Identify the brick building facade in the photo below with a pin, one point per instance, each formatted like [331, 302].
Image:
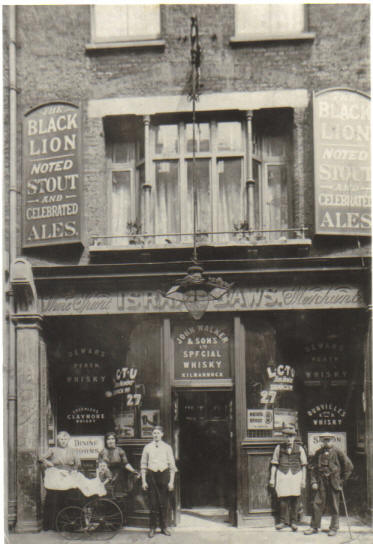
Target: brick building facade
[300, 302]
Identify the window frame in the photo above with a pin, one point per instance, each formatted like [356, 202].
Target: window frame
[269, 35]
[124, 41]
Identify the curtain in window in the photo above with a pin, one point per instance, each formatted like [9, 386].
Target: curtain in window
[202, 184]
[277, 202]
[229, 210]
[121, 206]
[167, 202]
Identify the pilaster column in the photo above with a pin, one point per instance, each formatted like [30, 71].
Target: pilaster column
[250, 182]
[147, 184]
[299, 119]
[368, 397]
[29, 415]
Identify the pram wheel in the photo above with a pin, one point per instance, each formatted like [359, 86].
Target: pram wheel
[103, 518]
[70, 523]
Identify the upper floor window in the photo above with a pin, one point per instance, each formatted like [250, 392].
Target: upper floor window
[118, 23]
[266, 21]
[160, 203]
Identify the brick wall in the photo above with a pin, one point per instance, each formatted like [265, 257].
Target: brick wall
[52, 64]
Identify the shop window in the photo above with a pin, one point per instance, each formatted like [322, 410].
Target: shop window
[266, 20]
[105, 375]
[219, 174]
[119, 23]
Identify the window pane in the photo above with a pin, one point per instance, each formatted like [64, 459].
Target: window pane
[229, 136]
[166, 139]
[122, 152]
[121, 206]
[269, 18]
[202, 135]
[277, 201]
[229, 171]
[202, 181]
[122, 21]
[143, 20]
[167, 198]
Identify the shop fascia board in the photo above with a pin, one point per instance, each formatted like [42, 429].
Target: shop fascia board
[60, 273]
[152, 105]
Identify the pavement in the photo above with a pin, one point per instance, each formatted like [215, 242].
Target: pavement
[192, 530]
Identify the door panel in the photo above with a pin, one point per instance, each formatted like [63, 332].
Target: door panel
[205, 449]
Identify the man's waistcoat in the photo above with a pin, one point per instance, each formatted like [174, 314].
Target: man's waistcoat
[289, 461]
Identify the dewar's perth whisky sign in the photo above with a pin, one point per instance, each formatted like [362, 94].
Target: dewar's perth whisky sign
[51, 175]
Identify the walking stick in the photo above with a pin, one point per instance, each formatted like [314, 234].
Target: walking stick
[348, 519]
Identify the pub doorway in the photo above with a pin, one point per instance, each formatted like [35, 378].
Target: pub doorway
[206, 460]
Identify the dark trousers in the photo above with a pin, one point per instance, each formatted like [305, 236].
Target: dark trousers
[289, 509]
[54, 502]
[158, 497]
[325, 495]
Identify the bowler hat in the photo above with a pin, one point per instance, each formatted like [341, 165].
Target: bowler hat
[289, 429]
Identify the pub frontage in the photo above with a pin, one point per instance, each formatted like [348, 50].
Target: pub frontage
[118, 356]
[158, 151]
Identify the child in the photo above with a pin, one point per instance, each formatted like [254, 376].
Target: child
[103, 477]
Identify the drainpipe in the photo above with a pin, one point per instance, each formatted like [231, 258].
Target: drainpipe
[11, 363]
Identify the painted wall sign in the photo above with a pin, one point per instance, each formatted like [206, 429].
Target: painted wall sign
[87, 447]
[51, 176]
[80, 377]
[326, 413]
[342, 162]
[240, 299]
[314, 443]
[201, 351]
[259, 419]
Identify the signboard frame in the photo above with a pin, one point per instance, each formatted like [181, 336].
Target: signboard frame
[56, 165]
[343, 160]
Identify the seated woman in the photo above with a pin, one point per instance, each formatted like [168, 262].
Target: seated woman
[117, 461]
[60, 462]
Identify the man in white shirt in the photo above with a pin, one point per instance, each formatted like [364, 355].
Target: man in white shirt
[158, 474]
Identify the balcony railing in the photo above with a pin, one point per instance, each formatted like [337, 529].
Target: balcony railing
[185, 239]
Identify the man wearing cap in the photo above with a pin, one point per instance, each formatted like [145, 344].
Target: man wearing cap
[330, 468]
[158, 473]
[288, 477]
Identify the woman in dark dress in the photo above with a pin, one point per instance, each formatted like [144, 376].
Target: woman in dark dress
[117, 461]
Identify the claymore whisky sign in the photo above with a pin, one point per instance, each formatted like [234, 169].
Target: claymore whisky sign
[342, 162]
[51, 175]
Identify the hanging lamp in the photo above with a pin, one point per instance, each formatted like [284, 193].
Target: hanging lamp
[196, 290]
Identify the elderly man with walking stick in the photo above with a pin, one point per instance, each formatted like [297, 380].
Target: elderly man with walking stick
[329, 468]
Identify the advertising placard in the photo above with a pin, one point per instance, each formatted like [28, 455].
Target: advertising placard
[338, 440]
[259, 419]
[202, 352]
[87, 447]
[51, 188]
[284, 417]
[342, 162]
[149, 419]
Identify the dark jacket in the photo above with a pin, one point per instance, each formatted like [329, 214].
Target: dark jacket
[335, 465]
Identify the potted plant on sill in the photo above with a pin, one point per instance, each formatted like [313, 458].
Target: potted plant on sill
[134, 230]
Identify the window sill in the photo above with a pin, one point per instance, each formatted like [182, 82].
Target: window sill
[128, 44]
[239, 39]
